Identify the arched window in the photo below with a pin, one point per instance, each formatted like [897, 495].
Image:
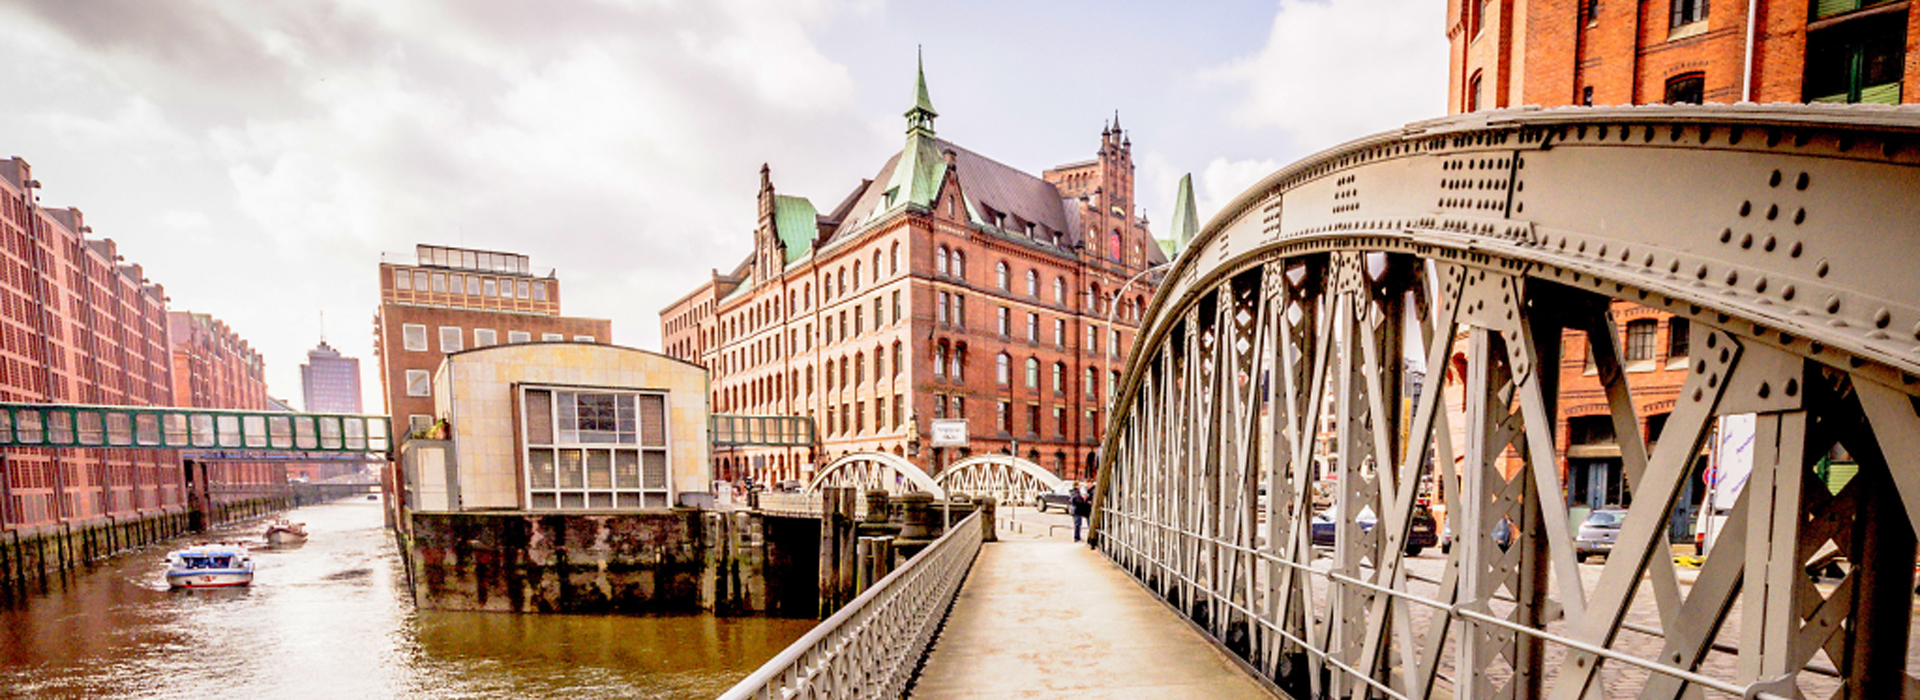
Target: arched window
[1059, 377]
[1033, 373]
[1002, 368]
[898, 364]
[1474, 98]
[1687, 88]
[940, 260]
[1033, 283]
[876, 267]
[1000, 275]
[959, 363]
[893, 263]
[879, 362]
[859, 368]
[856, 275]
[840, 287]
[959, 264]
[1059, 290]
[940, 359]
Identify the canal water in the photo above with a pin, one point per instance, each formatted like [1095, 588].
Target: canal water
[331, 619]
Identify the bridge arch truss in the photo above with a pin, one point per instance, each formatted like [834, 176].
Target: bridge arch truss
[1007, 478]
[875, 470]
[1493, 250]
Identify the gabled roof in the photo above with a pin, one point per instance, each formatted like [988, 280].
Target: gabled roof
[794, 221]
[988, 184]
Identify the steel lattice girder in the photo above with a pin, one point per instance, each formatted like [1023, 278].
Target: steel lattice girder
[139, 428]
[1777, 230]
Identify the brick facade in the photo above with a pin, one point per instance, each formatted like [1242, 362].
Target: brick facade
[78, 324]
[861, 317]
[1556, 53]
[469, 294]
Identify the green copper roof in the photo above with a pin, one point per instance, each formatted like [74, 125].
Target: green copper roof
[916, 179]
[1186, 222]
[794, 222]
[921, 114]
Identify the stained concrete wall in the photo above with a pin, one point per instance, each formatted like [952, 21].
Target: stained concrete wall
[652, 562]
[30, 555]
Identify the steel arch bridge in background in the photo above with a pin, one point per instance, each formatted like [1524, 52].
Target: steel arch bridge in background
[1787, 235]
[875, 470]
[1007, 478]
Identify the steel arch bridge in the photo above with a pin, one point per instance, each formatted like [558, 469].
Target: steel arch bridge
[875, 470]
[1484, 245]
[1007, 478]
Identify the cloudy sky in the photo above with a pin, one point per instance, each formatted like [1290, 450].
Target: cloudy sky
[259, 159]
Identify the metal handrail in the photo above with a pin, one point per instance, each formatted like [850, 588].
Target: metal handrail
[869, 649]
[1760, 690]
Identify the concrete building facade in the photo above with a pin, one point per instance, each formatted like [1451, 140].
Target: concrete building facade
[947, 286]
[453, 299]
[1508, 53]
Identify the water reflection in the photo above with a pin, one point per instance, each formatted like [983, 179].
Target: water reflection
[330, 619]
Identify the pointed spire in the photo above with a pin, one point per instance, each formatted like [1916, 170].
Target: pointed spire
[1186, 220]
[921, 115]
[1116, 120]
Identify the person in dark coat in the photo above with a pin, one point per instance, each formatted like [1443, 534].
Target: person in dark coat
[1082, 507]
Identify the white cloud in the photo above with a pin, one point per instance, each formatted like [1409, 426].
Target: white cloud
[1225, 179]
[1337, 70]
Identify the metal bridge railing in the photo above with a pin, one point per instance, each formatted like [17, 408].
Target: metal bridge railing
[801, 505]
[870, 647]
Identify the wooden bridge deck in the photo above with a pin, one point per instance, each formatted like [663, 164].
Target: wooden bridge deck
[1038, 619]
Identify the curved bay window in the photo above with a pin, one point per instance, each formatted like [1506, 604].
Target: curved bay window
[594, 449]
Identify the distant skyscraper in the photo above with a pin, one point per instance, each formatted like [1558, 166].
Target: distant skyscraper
[330, 382]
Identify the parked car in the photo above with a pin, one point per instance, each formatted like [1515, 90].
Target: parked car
[1502, 536]
[1597, 532]
[1419, 538]
[1060, 497]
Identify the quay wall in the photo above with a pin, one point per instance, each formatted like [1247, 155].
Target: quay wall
[632, 562]
[30, 555]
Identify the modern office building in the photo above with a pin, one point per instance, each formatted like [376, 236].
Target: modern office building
[330, 381]
[453, 299]
[947, 286]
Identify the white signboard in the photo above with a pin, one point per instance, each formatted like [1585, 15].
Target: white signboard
[950, 432]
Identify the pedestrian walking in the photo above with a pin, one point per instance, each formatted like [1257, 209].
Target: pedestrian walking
[1082, 506]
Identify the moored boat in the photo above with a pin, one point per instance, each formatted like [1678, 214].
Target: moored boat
[209, 566]
[281, 532]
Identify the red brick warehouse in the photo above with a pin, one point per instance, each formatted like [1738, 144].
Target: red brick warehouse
[948, 286]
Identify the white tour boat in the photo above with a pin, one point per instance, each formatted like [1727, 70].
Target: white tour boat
[209, 566]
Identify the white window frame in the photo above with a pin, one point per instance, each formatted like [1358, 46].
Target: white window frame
[519, 337]
[549, 337]
[421, 379]
[458, 338]
[484, 337]
[408, 337]
[660, 496]
[583, 339]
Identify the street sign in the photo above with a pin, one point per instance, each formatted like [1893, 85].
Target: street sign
[950, 432]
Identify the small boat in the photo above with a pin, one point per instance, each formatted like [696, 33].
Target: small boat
[281, 532]
[209, 566]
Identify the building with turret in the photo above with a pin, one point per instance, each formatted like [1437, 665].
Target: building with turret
[949, 285]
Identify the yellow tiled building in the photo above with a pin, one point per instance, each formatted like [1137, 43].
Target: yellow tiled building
[563, 426]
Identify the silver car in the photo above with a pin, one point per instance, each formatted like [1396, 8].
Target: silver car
[1598, 532]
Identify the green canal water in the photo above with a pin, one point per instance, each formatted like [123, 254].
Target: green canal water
[331, 619]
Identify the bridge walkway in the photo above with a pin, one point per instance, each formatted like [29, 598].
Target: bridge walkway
[1054, 619]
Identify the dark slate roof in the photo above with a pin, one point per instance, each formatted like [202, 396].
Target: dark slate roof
[989, 186]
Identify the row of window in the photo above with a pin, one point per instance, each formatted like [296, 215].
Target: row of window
[452, 338]
[1003, 373]
[471, 285]
[848, 324]
[850, 418]
[845, 372]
